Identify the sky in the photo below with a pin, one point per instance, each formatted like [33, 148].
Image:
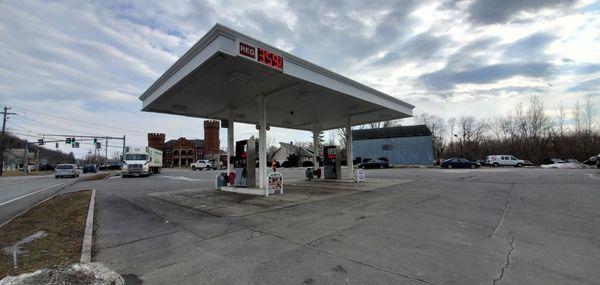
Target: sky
[80, 66]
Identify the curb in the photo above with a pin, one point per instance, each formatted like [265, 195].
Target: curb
[86, 248]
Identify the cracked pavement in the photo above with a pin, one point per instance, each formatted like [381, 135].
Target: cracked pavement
[482, 226]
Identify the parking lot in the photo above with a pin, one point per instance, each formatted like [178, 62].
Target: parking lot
[433, 226]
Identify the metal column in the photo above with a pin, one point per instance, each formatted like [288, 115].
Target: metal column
[349, 155]
[316, 148]
[262, 141]
[230, 151]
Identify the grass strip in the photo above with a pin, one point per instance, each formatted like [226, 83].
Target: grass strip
[62, 218]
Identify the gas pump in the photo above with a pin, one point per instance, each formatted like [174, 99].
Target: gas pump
[245, 163]
[332, 164]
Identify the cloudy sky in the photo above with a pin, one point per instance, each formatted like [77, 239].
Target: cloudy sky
[80, 66]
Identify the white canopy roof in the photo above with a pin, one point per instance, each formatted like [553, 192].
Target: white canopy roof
[226, 70]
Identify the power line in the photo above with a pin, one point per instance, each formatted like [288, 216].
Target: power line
[87, 124]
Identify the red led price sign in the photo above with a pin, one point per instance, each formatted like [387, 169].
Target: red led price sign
[270, 59]
[261, 55]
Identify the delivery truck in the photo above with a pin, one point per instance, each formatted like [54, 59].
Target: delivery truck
[141, 161]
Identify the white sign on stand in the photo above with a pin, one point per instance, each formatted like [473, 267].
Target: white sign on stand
[361, 175]
[275, 182]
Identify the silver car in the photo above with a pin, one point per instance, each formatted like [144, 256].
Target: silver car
[66, 170]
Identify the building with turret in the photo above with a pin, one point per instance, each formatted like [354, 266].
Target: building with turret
[182, 152]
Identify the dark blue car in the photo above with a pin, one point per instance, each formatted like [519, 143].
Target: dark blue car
[459, 163]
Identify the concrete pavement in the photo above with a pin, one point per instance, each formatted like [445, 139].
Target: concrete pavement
[495, 225]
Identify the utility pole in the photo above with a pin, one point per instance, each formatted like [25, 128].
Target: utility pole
[106, 149]
[123, 154]
[26, 158]
[3, 139]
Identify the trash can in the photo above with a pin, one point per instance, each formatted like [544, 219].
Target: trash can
[222, 180]
[309, 174]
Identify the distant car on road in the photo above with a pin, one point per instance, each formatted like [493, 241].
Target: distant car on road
[374, 163]
[66, 170]
[503, 160]
[459, 163]
[90, 168]
[203, 164]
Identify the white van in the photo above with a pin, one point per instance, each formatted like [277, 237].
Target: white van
[503, 160]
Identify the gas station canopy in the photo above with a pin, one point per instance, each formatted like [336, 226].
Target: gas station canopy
[221, 76]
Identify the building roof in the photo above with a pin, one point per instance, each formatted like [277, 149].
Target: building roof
[391, 132]
[297, 149]
[300, 95]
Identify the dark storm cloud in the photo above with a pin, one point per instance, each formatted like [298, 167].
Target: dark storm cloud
[342, 29]
[495, 12]
[418, 47]
[447, 79]
[529, 48]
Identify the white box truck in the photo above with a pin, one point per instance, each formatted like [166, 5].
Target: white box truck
[141, 161]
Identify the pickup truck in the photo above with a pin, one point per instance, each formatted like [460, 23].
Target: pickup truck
[203, 164]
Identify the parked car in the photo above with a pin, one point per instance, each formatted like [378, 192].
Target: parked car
[66, 170]
[504, 160]
[374, 163]
[547, 161]
[203, 164]
[90, 168]
[459, 163]
[592, 160]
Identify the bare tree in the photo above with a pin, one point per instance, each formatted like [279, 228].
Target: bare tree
[576, 117]
[562, 117]
[588, 114]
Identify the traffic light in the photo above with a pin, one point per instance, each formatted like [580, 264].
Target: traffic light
[67, 140]
[76, 145]
[98, 145]
[56, 145]
[95, 140]
[40, 141]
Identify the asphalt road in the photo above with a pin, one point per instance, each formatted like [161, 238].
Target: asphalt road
[483, 226]
[494, 225]
[21, 192]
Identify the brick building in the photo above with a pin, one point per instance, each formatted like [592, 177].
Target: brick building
[182, 151]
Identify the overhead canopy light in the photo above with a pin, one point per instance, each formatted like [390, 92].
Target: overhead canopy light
[238, 78]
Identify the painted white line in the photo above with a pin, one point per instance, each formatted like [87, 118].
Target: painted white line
[86, 248]
[40, 190]
[593, 177]
[183, 178]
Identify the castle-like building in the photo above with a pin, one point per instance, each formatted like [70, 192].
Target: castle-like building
[183, 152]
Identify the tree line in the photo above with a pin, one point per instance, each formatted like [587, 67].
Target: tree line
[529, 132]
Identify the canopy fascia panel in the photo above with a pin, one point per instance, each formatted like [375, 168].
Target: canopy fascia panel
[299, 96]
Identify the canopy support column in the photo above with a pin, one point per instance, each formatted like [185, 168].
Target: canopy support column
[230, 151]
[316, 148]
[262, 141]
[349, 155]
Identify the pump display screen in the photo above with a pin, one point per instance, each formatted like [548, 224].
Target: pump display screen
[261, 55]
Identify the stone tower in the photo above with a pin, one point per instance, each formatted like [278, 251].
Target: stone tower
[211, 139]
[157, 141]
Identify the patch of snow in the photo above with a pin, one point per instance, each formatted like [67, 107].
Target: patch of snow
[16, 248]
[90, 273]
[567, 165]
